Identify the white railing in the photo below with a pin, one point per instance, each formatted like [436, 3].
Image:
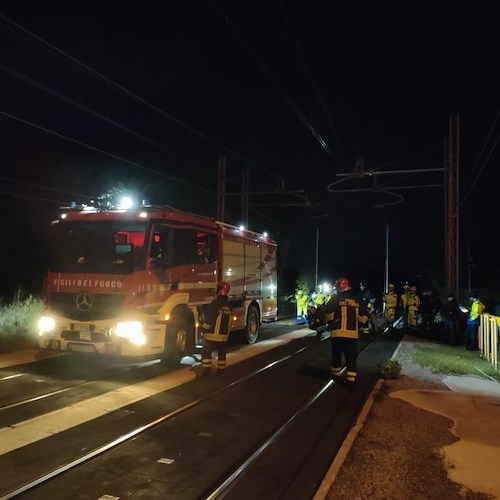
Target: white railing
[488, 338]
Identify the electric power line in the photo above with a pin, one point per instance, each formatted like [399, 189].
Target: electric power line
[268, 73]
[471, 181]
[75, 62]
[101, 151]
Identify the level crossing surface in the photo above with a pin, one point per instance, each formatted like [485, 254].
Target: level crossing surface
[273, 423]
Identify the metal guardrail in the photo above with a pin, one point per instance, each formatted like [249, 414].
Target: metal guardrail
[488, 337]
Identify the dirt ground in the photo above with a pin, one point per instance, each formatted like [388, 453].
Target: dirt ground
[396, 454]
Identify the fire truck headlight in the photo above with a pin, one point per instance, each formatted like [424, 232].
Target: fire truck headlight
[129, 329]
[139, 339]
[46, 324]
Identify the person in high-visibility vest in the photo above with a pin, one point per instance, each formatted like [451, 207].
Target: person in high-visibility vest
[216, 326]
[413, 307]
[475, 311]
[302, 300]
[390, 299]
[318, 296]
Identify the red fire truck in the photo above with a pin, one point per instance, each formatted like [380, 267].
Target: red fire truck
[132, 283]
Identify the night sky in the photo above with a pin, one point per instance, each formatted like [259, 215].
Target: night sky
[147, 96]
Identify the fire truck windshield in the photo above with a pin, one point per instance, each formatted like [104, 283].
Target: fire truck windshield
[108, 247]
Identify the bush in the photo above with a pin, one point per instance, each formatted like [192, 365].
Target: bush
[391, 370]
[18, 321]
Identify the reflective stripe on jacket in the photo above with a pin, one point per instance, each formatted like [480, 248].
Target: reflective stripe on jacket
[217, 324]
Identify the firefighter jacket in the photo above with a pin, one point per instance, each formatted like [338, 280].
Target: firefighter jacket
[403, 300]
[342, 315]
[390, 299]
[217, 320]
[413, 303]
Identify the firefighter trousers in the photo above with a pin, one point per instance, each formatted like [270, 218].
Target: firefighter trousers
[347, 347]
[206, 354]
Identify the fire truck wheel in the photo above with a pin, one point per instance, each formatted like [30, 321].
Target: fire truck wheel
[252, 327]
[179, 341]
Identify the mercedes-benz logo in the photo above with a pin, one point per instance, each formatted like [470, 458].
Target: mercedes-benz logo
[84, 301]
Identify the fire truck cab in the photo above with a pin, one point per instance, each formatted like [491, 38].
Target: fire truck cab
[132, 283]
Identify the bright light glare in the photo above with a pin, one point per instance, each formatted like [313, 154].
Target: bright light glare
[242, 228]
[138, 339]
[327, 287]
[265, 234]
[129, 329]
[143, 215]
[46, 324]
[126, 202]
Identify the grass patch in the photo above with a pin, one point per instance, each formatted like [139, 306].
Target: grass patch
[453, 360]
[18, 321]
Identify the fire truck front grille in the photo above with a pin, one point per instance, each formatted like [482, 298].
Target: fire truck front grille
[96, 306]
[75, 335]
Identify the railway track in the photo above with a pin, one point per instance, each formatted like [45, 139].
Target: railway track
[280, 402]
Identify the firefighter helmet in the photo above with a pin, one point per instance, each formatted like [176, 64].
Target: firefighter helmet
[413, 289]
[406, 286]
[342, 284]
[223, 288]
[391, 286]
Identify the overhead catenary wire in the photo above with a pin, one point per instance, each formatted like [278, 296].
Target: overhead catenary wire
[119, 158]
[26, 34]
[98, 115]
[304, 65]
[329, 72]
[111, 83]
[473, 176]
[236, 32]
[101, 151]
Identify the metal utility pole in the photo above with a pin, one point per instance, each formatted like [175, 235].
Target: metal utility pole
[317, 258]
[470, 265]
[386, 271]
[245, 188]
[451, 206]
[221, 188]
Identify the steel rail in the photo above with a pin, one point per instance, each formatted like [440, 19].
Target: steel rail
[139, 430]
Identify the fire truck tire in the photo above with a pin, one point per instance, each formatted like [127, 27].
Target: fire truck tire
[252, 327]
[179, 341]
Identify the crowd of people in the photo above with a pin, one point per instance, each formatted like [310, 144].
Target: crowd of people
[420, 314]
[348, 315]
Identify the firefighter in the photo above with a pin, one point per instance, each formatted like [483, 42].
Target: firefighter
[316, 319]
[216, 325]
[403, 303]
[413, 307]
[302, 300]
[366, 300]
[390, 299]
[342, 315]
